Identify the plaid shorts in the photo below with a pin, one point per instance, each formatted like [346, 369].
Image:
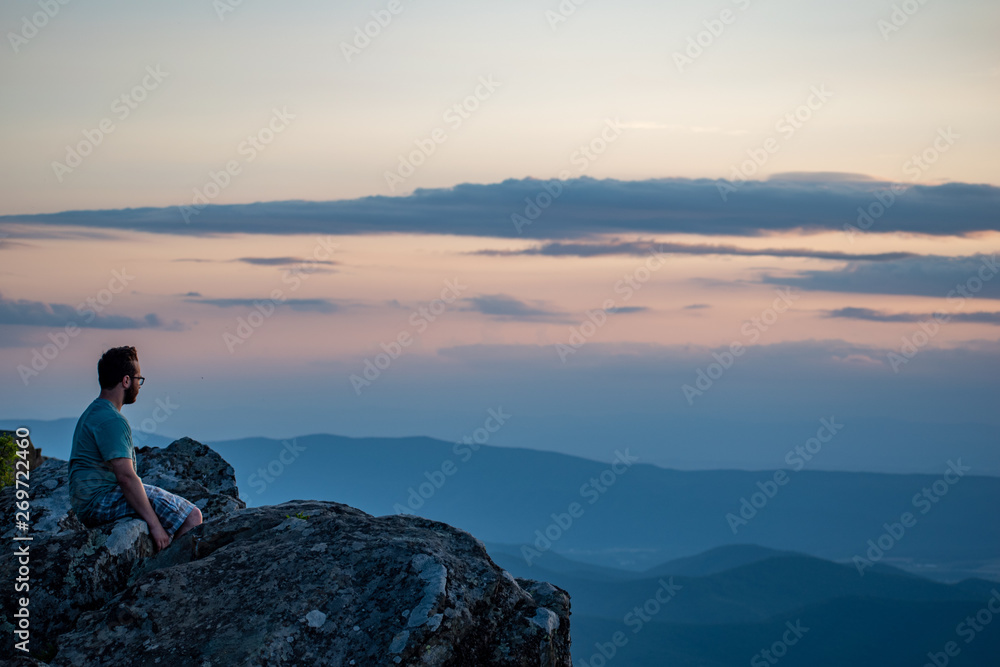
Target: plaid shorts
[169, 508]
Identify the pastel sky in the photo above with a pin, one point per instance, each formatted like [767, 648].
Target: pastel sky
[605, 219]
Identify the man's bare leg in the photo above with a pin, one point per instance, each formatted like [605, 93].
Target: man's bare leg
[193, 519]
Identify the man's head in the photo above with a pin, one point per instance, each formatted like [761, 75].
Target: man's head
[120, 366]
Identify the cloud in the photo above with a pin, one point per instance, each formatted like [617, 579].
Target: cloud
[503, 307]
[298, 266]
[5, 244]
[697, 306]
[37, 232]
[928, 275]
[641, 248]
[281, 261]
[820, 177]
[583, 208]
[881, 316]
[507, 308]
[299, 305]
[39, 314]
[795, 377]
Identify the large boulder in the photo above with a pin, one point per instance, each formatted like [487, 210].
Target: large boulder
[302, 583]
[194, 471]
[74, 569]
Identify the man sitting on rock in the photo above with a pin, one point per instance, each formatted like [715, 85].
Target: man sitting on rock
[103, 482]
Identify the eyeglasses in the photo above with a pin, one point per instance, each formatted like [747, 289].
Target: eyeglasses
[139, 378]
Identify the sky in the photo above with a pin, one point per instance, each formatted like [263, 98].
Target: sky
[694, 229]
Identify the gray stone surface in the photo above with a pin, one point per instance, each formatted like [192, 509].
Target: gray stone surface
[75, 569]
[302, 583]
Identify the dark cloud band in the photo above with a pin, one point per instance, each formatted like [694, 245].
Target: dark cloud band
[582, 208]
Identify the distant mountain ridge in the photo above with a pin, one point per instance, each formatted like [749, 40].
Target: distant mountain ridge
[748, 593]
[657, 540]
[730, 603]
[693, 443]
[649, 515]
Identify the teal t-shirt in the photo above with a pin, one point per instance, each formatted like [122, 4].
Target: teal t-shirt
[102, 433]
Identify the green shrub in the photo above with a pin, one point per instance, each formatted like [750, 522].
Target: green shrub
[8, 454]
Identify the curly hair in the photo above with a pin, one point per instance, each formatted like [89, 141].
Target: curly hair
[115, 364]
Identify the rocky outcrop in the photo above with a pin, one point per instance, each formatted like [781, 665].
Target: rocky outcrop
[75, 569]
[302, 583]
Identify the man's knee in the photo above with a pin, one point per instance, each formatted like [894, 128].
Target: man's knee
[194, 518]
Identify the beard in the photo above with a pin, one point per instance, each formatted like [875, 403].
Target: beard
[130, 394]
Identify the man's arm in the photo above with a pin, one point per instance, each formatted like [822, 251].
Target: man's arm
[135, 494]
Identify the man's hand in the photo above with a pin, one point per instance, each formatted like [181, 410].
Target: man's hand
[160, 537]
[135, 494]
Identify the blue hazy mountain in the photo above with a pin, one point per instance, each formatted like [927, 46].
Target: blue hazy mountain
[646, 515]
[619, 534]
[696, 442]
[750, 593]
[861, 632]
[726, 617]
[715, 560]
